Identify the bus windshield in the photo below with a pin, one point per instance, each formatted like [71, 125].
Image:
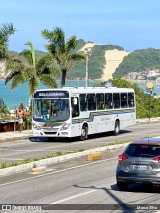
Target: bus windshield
[51, 109]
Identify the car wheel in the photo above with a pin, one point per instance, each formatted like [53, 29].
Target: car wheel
[116, 128]
[122, 186]
[84, 133]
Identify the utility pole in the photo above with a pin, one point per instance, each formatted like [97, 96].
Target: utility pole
[149, 88]
[87, 75]
[87, 54]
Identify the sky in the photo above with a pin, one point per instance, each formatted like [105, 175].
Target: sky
[131, 24]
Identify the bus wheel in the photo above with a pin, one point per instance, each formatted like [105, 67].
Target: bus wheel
[116, 128]
[84, 133]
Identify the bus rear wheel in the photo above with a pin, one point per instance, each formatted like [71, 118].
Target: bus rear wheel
[116, 128]
[84, 133]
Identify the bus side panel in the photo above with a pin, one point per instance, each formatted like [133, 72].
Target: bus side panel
[100, 123]
[76, 128]
[127, 119]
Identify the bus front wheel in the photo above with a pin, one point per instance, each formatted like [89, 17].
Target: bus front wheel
[84, 133]
[116, 128]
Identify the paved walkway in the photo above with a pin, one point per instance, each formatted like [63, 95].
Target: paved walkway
[25, 134]
[15, 135]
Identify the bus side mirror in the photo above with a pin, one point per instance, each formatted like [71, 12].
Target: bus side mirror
[75, 108]
[75, 101]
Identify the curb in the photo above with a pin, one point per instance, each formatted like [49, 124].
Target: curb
[49, 161]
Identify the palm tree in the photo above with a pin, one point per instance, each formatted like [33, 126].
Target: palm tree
[27, 68]
[62, 50]
[4, 111]
[5, 31]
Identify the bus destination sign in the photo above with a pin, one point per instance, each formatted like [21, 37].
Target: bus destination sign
[51, 94]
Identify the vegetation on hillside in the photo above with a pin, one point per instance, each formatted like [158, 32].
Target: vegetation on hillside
[95, 65]
[138, 61]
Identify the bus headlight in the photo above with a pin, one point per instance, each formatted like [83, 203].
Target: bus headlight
[36, 127]
[65, 126]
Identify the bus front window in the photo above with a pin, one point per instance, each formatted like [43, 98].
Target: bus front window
[51, 110]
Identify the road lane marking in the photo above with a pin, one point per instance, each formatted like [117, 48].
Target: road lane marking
[54, 172]
[72, 197]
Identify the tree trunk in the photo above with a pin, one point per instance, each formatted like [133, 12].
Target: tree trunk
[63, 78]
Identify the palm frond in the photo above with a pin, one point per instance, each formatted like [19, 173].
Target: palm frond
[56, 40]
[16, 81]
[47, 65]
[7, 29]
[5, 110]
[28, 73]
[78, 57]
[45, 60]
[48, 81]
[47, 35]
[32, 52]
[32, 85]
[12, 75]
[27, 55]
[71, 44]
[65, 61]
[13, 63]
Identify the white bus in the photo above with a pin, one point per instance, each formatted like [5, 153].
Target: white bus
[78, 111]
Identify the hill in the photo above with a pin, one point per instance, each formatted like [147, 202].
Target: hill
[108, 61]
[138, 61]
[97, 65]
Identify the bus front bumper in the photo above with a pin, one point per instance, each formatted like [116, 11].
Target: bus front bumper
[51, 133]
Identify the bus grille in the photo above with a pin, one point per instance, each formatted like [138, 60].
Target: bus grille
[50, 133]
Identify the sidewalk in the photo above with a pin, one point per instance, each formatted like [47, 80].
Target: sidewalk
[26, 134]
[147, 120]
[15, 135]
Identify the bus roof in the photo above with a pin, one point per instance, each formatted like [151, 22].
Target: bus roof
[74, 89]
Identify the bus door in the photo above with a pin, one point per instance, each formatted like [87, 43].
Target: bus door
[76, 126]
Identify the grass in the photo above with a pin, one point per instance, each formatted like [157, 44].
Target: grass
[30, 160]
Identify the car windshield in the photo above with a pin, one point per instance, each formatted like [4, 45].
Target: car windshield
[51, 110]
[137, 150]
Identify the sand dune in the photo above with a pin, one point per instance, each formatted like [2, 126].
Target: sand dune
[113, 59]
[87, 47]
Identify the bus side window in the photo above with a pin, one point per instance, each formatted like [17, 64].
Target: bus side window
[116, 100]
[83, 102]
[91, 101]
[108, 101]
[123, 100]
[100, 101]
[131, 99]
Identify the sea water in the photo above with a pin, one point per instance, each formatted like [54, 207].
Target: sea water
[20, 94]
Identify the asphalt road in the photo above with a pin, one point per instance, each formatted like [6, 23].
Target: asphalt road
[36, 147]
[77, 181]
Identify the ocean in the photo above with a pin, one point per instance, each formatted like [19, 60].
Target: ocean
[20, 95]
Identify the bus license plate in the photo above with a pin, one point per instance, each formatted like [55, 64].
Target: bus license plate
[139, 167]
